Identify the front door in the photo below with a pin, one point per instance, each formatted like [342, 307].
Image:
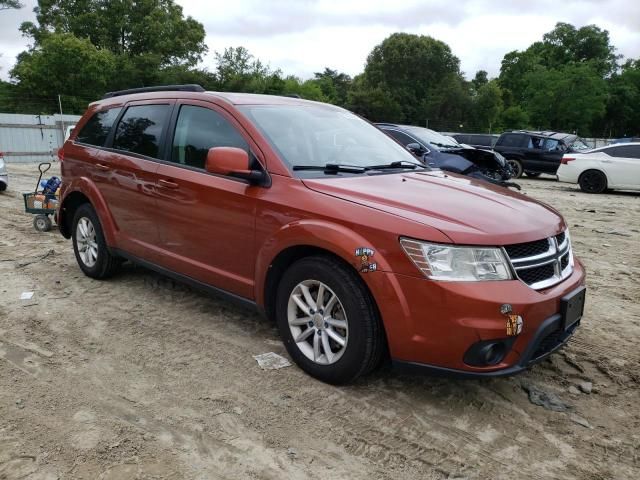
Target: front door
[206, 221]
[623, 166]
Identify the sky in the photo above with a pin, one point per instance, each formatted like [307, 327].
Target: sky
[301, 37]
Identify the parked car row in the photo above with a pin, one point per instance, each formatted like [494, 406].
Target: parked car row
[531, 153]
[445, 153]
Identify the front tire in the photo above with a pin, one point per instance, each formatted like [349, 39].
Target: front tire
[516, 167]
[328, 320]
[89, 245]
[593, 181]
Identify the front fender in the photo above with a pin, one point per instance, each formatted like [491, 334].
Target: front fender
[86, 187]
[329, 236]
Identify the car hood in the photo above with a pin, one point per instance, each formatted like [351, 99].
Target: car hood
[468, 211]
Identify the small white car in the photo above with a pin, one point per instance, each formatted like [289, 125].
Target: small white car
[4, 176]
[615, 167]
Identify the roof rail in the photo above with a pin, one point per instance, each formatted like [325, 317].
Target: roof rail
[191, 87]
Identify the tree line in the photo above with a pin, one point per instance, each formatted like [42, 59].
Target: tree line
[570, 80]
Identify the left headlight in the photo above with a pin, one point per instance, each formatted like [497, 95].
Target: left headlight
[461, 264]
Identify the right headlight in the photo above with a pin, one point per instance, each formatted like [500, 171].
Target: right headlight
[453, 263]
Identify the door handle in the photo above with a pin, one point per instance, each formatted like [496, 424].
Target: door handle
[167, 184]
[100, 166]
[606, 161]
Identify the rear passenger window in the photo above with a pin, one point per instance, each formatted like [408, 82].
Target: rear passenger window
[96, 130]
[625, 151]
[511, 140]
[198, 129]
[140, 129]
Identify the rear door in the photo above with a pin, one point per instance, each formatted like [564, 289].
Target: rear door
[533, 155]
[206, 221]
[622, 166]
[552, 152]
[129, 167]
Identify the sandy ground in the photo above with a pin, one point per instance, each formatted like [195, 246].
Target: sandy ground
[140, 377]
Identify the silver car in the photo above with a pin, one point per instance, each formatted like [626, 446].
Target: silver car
[4, 177]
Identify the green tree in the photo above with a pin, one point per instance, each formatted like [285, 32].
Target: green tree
[622, 117]
[153, 28]
[411, 78]
[481, 79]
[237, 70]
[334, 85]
[10, 4]
[570, 98]
[514, 118]
[67, 65]
[373, 103]
[487, 106]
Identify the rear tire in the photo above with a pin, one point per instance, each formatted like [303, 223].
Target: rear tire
[337, 340]
[89, 245]
[516, 167]
[593, 181]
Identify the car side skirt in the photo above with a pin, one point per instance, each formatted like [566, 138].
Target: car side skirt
[192, 282]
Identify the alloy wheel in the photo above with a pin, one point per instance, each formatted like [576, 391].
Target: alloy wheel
[87, 242]
[318, 322]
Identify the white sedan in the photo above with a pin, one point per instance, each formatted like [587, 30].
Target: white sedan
[611, 167]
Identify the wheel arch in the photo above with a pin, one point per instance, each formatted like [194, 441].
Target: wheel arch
[307, 238]
[79, 192]
[287, 257]
[68, 208]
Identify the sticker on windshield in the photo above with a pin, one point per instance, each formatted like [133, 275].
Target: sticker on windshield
[364, 254]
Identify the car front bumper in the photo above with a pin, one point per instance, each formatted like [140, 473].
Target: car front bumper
[432, 325]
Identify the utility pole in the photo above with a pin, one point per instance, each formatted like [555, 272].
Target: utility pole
[61, 119]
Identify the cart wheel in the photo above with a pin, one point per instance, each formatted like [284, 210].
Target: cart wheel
[42, 223]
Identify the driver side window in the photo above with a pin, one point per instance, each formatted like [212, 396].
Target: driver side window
[197, 130]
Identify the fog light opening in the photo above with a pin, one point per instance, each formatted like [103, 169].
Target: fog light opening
[493, 353]
[487, 353]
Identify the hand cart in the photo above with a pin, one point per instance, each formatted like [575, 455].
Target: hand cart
[40, 204]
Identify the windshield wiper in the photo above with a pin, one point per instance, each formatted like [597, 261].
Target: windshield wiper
[332, 168]
[399, 164]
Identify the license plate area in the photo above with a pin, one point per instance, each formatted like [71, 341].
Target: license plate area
[572, 307]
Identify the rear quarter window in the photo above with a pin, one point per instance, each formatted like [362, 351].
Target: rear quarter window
[97, 128]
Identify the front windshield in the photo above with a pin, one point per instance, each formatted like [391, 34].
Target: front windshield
[317, 135]
[439, 141]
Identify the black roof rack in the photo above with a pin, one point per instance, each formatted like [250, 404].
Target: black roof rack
[192, 87]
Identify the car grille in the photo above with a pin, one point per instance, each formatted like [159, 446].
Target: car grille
[529, 249]
[542, 263]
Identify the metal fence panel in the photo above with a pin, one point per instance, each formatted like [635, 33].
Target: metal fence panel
[32, 138]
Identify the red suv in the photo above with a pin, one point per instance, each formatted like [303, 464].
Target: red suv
[324, 223]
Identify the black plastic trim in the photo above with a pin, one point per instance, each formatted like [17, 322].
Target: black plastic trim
[191, 87]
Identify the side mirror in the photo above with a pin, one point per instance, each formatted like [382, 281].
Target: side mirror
[417, 149]
[232, 161]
